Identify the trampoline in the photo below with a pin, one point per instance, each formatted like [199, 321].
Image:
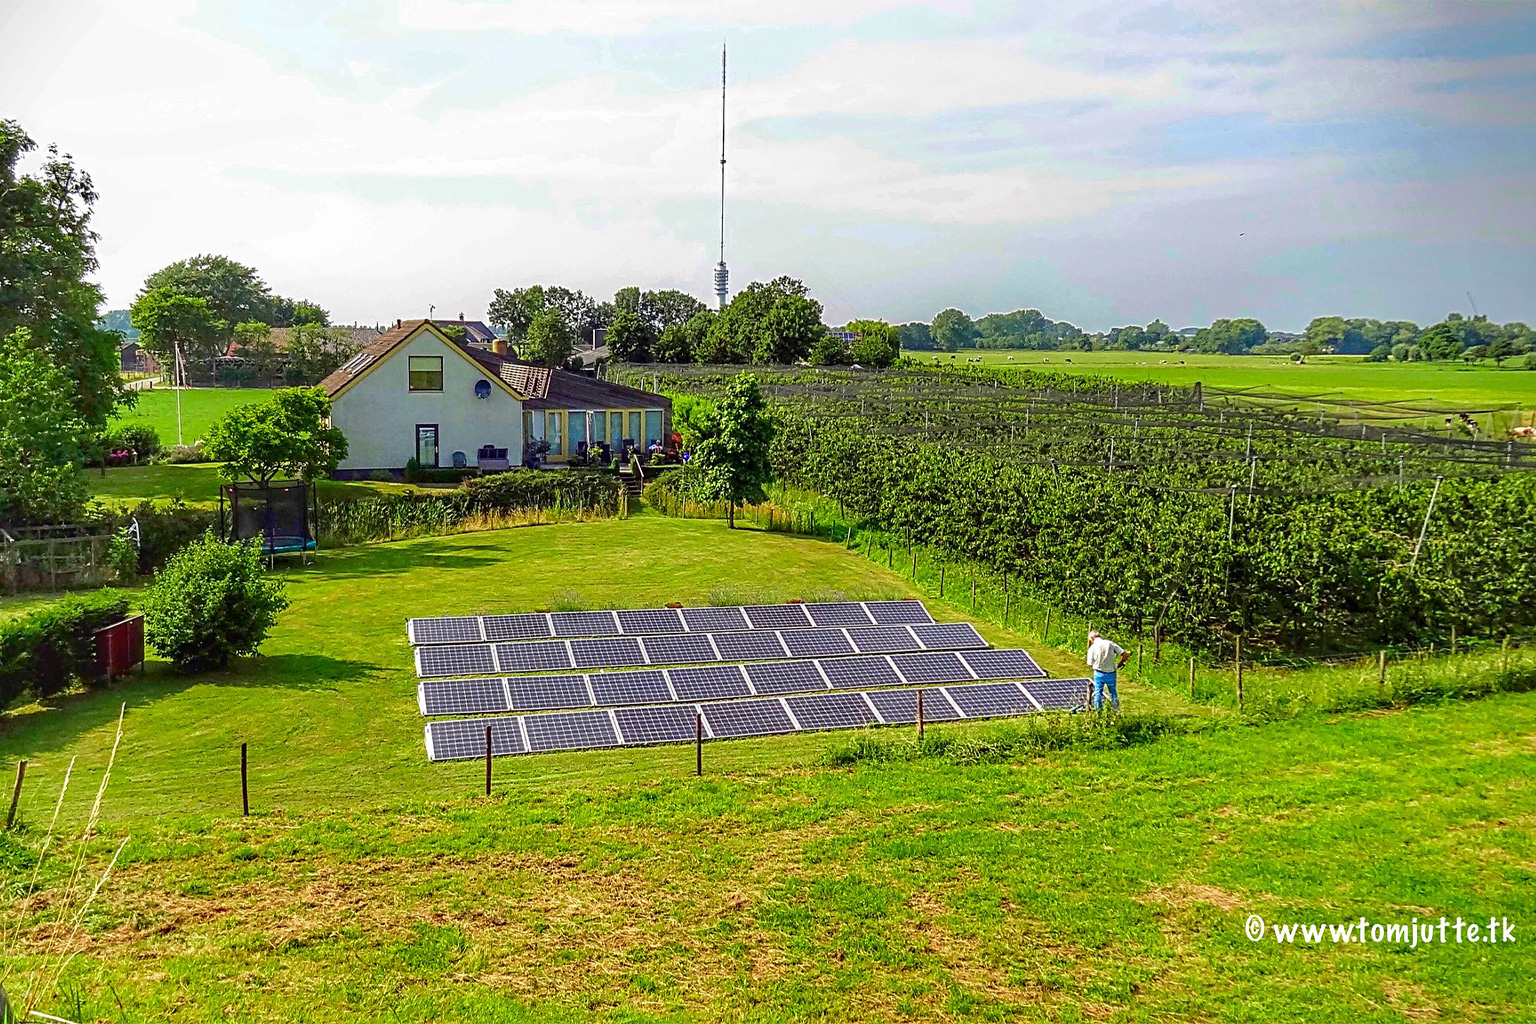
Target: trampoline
[280, 514]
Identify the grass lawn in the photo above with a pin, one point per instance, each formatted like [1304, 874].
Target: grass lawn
[199, 408]
[198, 484]
[1456, 385]
[1083, 884]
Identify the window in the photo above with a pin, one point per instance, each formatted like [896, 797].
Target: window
[555, 433]
[578, 421]
[426, 445]
[425, 373]
[635, 434]
[599, 427]
[652, 426]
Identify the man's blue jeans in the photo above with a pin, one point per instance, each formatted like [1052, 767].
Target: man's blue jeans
[1101, 682]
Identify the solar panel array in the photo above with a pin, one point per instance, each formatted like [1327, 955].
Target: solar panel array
[470, 629]
[720, 682]
[692, 648]
[676, 723]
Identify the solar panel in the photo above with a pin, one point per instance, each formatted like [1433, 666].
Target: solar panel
[815, 643]
[883, 640]
[583, 623]
[853, 673]
[989, 700]
[570, 730]
[785, 677]
[948, 636]
[461, 738]
[749, 646]
[527, 626]
[1058, 694]
[461, 696]
[831, 711]
[454, 661]
[899, 707]
[934, 667]
[630, 687]
[838, 613]
[673, 724]
[897, 613]
[747, 718]
[534, 693]
[651, 620]
[459, 629]
[610, 652]
[777, 616]
[709, 682]
[682, 649]
[709, 619]
[533, 657]
[997, 664]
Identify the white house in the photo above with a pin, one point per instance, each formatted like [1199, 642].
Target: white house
[415, 392]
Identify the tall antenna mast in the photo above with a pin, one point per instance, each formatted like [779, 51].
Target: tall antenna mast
[722, 275]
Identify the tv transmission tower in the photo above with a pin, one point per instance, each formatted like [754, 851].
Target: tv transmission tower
[722, 275]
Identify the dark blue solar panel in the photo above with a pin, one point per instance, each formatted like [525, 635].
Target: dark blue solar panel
[533, 693]
[683, 649]
[533, 657]
[643, 687]
[816, 643]
[775, 677]
[570, 730]
[1059, 694]
[859, 673]
[883, 640]
[936, 667]
[710, 682]
[708, 619]
[583, 623]
[990, 700]
[1002, 664]
[896, 613]
[612, 652]
[461, 696]
[839, 613]
[747, 718]
[673, 724]
[754, 646]
[899, 707]
[651, 620]
[462, 660]
[777, 616]
[462, 738]
[948, 636]
[831, 711]
[527, 626]
[464, 629]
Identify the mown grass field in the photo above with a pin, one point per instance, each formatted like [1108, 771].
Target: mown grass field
[792, 882]
[1443, 384]
[199, 408]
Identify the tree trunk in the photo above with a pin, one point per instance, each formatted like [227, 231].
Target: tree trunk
[730, 515]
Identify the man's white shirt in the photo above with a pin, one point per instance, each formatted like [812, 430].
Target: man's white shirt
[1104, 655]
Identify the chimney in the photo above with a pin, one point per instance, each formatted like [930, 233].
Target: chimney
[461, 316]
[499, 346]
[397, 323]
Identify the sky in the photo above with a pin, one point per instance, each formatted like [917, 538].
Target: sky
[1106, 163]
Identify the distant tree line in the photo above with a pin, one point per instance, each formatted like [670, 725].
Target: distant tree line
[1456, 337]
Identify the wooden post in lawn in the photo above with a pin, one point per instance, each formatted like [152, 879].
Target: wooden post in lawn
[1453, 640]
[698, 744]
[1007, 600]
[973, 593]
[1045, 637]
[1191, 677]
[245, 788]
[848, 537]
[1238, 658]
[919, 716]
[941, 579]
[21, 773]
[1504, 656]
[1139, 647]
[487, 760]
[914, 563]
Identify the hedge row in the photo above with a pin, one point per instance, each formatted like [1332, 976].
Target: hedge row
[46, 651]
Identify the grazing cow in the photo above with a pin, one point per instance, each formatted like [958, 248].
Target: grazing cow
[1010, 359]
[1046, 359]
[1162, 362]
[1525, 432]
[1069, 360]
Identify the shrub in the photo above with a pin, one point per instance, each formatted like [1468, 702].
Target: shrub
[46, 651]
[183, 454]
[141, 440]
[211, 602]
[164, 528]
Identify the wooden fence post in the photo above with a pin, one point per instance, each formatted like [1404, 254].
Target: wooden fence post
[698, 744]
[245, 788]
[1238, 657]
[973, 595]
[919, 716]
[1045, 637]
[1453, 640]
[1191, 677]
[487, 760]
[941, 579]
[1504, 657]
[1140, 646]
[1007, 600]
[21, 773]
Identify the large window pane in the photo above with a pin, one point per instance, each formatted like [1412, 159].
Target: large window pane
[635, 433]
[578, 428]
[426, 444]
[615, 428]
[600, 428]
[555, 433]
[425, 373]
[652, 426]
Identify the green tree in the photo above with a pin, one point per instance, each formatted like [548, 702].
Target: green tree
[878, 343]
[674, 345]
[306, 312]
[289, 433]
[1401, 352]
[915, 337]
[315, 351]
[549, 341]
[1233, 337]
[235, 293]
[787, 332]
[830, 350]
[167, 319]
[43, 436]
[1440, 342]
[629, 338]
[732, 458]
[668, 308]
[1380, 354]
[1325, 332]
[952, 330]
[257, 347]
[210, 603]
[47, 252]
[513, 311]
[1501, 349]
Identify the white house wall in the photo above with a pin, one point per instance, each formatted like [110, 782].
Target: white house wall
[379, 413]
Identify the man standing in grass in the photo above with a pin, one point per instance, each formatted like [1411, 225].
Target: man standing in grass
[1105, 658]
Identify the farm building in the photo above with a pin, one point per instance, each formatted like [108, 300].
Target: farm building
[415, 392]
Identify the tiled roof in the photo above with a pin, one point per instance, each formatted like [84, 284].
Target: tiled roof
[371, 353]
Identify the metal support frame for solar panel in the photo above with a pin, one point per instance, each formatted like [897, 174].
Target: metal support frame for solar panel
[567, 653]
[753, 717]
[461, 629]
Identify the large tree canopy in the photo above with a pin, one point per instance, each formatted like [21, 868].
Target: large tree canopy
[732, 458]
[168, 320]
[47, 250]
[288, 433]
[549, 339]
[234, 292]
[42, 436]
[952, 330]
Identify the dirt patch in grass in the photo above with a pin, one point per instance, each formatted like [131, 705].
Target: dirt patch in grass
[1185, 895]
